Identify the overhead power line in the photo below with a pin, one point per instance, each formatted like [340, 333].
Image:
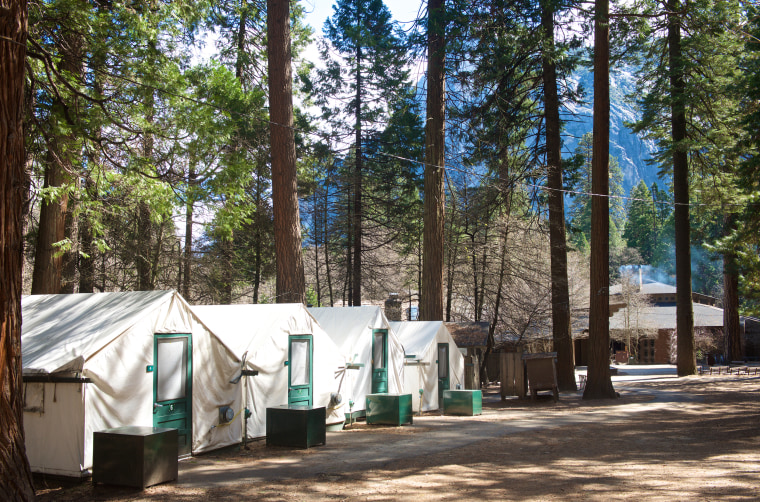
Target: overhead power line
[330, 137]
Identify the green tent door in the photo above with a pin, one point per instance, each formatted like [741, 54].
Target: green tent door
[379, 361]
[300, 377]
[443, 371]
[173, 386]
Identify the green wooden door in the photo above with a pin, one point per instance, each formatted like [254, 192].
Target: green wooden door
[443, 371]
[173, 386]
[379, 361]
[300, 375]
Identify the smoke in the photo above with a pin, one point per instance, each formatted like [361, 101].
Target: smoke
[648, 274]
[706, 272]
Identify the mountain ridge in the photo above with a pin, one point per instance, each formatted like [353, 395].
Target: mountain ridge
[631, 151]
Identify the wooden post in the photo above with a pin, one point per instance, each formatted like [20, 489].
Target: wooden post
[512, 375]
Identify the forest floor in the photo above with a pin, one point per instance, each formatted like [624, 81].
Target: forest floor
[664, 438]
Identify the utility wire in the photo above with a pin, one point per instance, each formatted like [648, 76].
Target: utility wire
[329, 137]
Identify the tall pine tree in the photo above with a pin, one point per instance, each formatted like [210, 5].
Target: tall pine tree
[364, 56]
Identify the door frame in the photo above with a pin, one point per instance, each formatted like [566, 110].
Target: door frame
[438, 372]
[188, 382]
[310, 339]
[384, 365]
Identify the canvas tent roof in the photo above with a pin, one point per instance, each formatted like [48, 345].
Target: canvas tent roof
[260, 333]
[417, 336]
[243, 327]
[61, 332]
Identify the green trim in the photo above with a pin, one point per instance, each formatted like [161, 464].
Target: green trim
[444, 383]
[380, 375]
[356, 414]
[188, 397]
[310, 385]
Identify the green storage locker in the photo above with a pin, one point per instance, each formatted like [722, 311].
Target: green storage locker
[134, 456]
[296, 426]
[389, 409]
[462, 402]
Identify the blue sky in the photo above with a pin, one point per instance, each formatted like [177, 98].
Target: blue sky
[319, 10]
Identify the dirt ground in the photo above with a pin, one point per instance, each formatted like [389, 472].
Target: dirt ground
[695, 438]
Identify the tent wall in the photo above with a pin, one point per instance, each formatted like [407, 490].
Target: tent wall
[54, 431]
[270, 387]
[121, 388]
[351, 328]
[421, 339]
[263, 331]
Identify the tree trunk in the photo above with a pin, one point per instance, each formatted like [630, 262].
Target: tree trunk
[257, 234]
[189, 209]
[327, 248]
[731, 323]
[599, 383]
[144, 231]
[483, 266]
[686, 352]
[475, 290]
[228, 252]
[431, 294]
[287, 229]
[561, 333]
[356, 300]
[155, 262]
[497, 304]
[453, 250]
[316, 221]
[87, 260]
[49, 260]
[143, 247]
[15, 474]
[348, 284]
[46, 276]
[69, 263]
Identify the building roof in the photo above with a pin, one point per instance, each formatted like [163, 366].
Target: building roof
[647, 288]
[664, 317]
[469, 334]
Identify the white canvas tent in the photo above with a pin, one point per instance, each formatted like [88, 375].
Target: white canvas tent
[88, 365]
[421, 340]
[352, 329]
[261, 334]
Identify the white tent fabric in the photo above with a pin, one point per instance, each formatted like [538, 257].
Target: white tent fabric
[351, 329]
[108, 338]
[261, 333]
[421, 339]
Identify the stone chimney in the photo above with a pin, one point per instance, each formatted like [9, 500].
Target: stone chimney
[393, 307]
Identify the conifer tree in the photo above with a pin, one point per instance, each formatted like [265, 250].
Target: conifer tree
[641, 228]
[364, 55]
[15, 474]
